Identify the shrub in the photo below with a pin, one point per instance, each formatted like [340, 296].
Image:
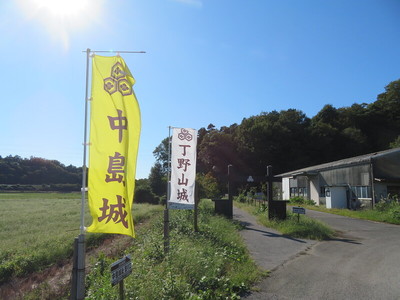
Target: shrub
[145, 195]
[212, 263]
[66, 187]
[242, 197]
[208, 186]
[301, 201]
[387, 203]
[395, 212]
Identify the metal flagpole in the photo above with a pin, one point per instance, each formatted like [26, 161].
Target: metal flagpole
[78, 271]
[166, 211]
[169, 166]
[196, 209]
[84, 167]
[113, 51]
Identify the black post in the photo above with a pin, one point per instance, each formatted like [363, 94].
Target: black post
[74, 271]
[78, 269]
[269, 192]
[230, 191]
[196, 211]
[121, 290]
[166, 230]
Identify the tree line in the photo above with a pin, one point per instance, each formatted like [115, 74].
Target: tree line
[288, 140]
[37, 171]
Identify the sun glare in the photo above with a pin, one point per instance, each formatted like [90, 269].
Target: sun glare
[63, 8]
[62, 18]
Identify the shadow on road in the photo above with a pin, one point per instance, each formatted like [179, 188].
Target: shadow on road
[269, 234]
[349, 241]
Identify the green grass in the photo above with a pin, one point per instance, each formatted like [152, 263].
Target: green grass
[210, 264]
[306, 227]
[38, 229]
[387, 216]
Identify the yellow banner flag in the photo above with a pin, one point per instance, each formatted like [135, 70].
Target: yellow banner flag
[114, 142]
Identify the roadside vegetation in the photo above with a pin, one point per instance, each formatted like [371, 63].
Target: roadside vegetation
[212, 263]
[37, 230]
[301, 201]
[386, 210]
[294, 225]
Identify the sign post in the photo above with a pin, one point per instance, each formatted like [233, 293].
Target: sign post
[120, 270]
[299, 211]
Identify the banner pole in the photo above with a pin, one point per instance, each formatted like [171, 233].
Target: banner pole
[166, 210]
[78, 270]
[84, 168]
[169, 168]
[196, 209]
[113, 51]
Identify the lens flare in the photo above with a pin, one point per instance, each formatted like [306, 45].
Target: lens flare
[62, 18]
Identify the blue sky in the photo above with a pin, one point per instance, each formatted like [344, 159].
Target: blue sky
[207, 61]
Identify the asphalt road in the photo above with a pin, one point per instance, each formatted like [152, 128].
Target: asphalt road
[363, 262]
[267, 246]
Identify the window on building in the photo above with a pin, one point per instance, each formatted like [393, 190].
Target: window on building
[293, 192]
[362, 191]
[322, 191]
[298, 191]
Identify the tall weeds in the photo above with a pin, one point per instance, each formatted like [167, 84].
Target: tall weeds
[210, 264]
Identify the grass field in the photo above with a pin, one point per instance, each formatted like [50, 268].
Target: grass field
[306, 227]
[38, 229]
[390, 215]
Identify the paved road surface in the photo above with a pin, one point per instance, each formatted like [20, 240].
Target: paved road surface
[362, 263]
[267, 246]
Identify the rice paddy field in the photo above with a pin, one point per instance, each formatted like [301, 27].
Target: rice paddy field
[38, 229]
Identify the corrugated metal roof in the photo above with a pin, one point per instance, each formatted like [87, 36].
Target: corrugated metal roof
[357, 160]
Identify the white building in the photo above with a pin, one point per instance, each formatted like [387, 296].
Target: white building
[347, 183]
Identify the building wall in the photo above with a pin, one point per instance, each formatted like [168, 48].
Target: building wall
[362, 185]
[285, 188]
[358, 175]
[380, 191]
[356, 179]
[314, 189]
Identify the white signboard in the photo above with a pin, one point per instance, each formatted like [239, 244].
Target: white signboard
[183, 168]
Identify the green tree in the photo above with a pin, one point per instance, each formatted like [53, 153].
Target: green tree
[161, 155]
[289, 140]
[35, 170]
[383, 123]
[279, 139]
[158, 180]
[207, 186]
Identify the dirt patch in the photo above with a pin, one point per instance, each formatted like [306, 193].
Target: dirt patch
[55, 281]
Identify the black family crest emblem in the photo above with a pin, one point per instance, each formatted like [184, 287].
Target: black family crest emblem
[117, 81]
